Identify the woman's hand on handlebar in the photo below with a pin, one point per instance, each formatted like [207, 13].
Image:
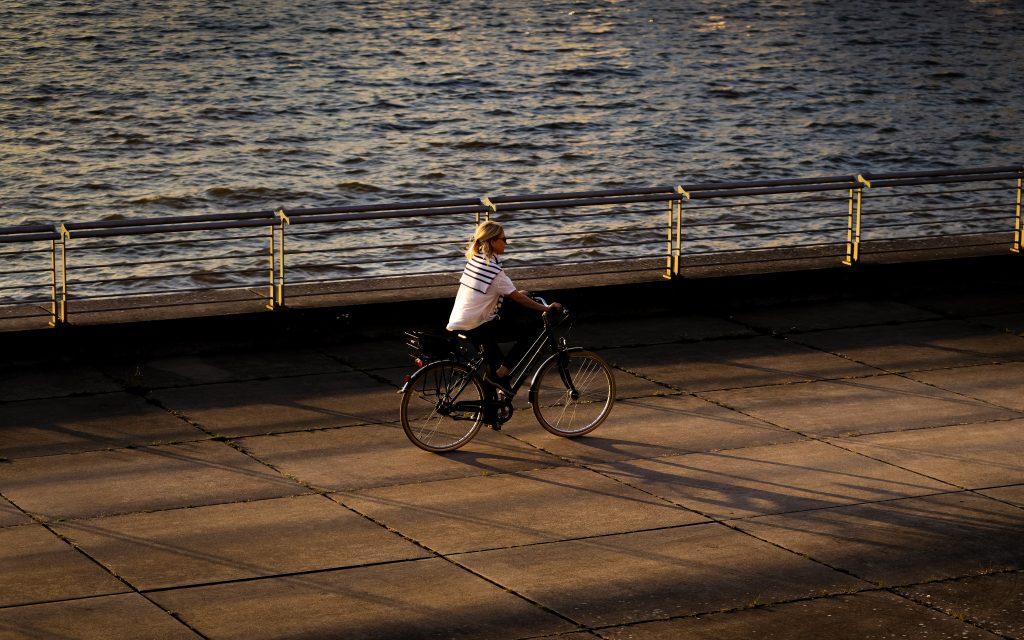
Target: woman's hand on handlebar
[553, 313]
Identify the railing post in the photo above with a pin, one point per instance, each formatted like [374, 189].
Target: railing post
[53, 281]
[853, 222]
[277, 283]
[491, 209]
[271, 295]
[669, 244]
[60, 303]
[675, 232]
[1018, 226]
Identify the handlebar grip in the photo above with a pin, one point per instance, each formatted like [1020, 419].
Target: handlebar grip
[558, 314]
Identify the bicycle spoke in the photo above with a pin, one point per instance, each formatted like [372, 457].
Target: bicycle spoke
[553, 402]
[443, 407]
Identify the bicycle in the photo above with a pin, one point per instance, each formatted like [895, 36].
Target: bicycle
[445, 401]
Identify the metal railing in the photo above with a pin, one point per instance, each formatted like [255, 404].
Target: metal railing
[265, 259]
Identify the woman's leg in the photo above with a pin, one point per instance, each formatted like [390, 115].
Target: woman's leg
[488, 336]
[517, 325]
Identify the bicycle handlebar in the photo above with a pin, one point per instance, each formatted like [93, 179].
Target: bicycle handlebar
[547, 314]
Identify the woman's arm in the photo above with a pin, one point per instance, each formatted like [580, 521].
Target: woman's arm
[523, 297]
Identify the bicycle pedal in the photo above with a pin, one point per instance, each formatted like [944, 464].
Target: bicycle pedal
[496, 426]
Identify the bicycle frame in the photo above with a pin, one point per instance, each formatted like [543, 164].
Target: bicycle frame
[531, 361]
[454, 390]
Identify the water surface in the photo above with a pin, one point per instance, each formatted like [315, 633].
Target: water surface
[146, 108]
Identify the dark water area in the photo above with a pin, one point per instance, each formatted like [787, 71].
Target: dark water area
[147, 108]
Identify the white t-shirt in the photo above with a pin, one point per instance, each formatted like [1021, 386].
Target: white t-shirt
[481, 288]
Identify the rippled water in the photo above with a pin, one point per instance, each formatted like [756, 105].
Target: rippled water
[151, 108]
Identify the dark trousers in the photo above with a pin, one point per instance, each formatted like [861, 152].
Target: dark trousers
[514, 324]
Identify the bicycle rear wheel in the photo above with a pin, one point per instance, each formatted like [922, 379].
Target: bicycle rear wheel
[442, 407]
[566, 414]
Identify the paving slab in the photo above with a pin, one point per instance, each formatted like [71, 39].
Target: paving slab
[54, 381]
[1011, 322]
[11, 515]
[371, 355]
[830, 314]
[970, 303]
[773, 479]
[87, 423]
[729, 364]
[174, 371]
[904, 542]
[920, 345]
[125, 480]
[120, 617]
[286, 404]
[1011, 495]
[426, 598]
[653, 575]
[631, 385]
[471, 514]
[970, 456]
[863, 405]
[373, 456]
[653, 427]
[395, 376]
[183, 547]
[874, 615]
[993, 602]
[38, 566]
[1000, 384]
[647, 330]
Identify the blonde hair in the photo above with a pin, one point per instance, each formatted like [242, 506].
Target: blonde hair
[481, 241]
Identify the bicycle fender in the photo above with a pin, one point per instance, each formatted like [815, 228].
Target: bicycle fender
[536, 374]
[416, 374]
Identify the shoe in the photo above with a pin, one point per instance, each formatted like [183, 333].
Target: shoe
[501, 384]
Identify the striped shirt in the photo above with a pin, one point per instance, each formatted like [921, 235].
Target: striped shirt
[481, 288]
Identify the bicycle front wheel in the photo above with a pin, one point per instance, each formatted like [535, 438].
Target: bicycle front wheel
[443, 407]
[563, 412]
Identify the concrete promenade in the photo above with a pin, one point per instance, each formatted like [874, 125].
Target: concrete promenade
[796, 456]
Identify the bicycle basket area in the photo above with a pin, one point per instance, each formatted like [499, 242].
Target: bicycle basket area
[427, 346]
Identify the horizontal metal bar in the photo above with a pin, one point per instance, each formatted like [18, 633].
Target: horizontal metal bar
[24, 271]
[760, 221]
[700, 206]
[412, 213]
[964, 207]
[30, 237]
[740, 193]
[41, 313]
[580, 195]
[585, 202]
[896, 225]
[872, 251]
[188, 260]
[28, 228]
[910, 182]
[767, 234]
[23, 287]
[229, 287]
[784, 182]
[940, 173]
[715, 252]
[268, 217]
[93, 245]
[656, 241]
[172, 276]
[460, 203]
[24, 252]
[148, 230]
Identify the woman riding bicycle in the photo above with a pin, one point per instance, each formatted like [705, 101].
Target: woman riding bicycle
[478, 311]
